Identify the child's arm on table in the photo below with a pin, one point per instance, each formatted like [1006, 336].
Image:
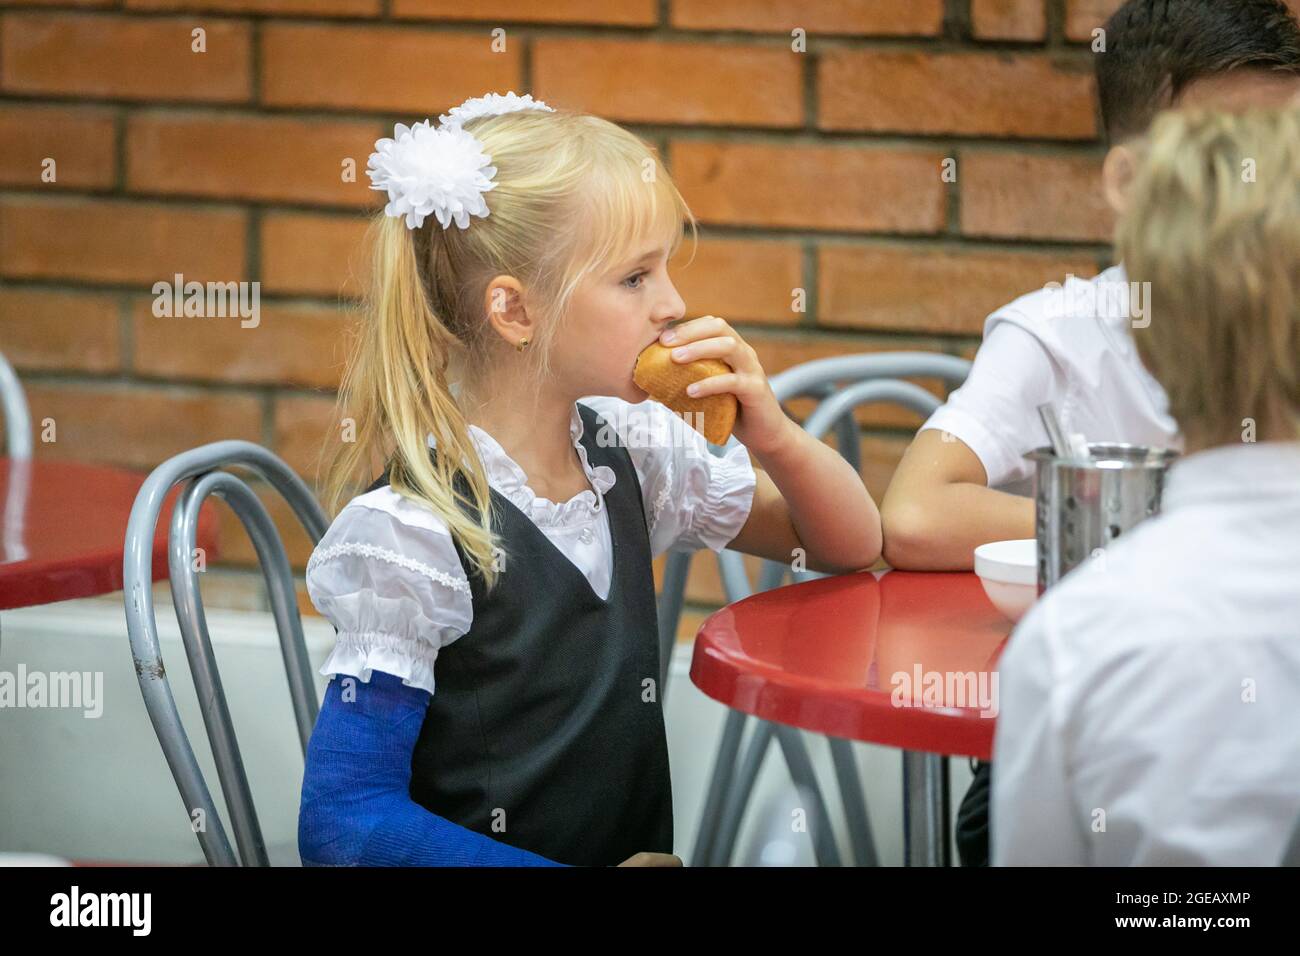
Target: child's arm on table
[356, 804]
[939, 508]
[806, 496]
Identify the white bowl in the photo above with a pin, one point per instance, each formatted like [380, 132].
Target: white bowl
[1009, 572]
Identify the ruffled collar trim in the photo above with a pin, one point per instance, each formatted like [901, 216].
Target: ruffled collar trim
[505, 475]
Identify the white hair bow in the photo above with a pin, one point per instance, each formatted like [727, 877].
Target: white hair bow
[441, 170]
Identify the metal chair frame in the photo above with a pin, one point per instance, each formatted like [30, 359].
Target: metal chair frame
[202, 467]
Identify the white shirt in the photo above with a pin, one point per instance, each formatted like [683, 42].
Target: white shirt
[1069, 344]
[387, 575]
[1158, 693]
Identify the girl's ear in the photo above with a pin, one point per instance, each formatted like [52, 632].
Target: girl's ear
[503, 301]
[1117, 175]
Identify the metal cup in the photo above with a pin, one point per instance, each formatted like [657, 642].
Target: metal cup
[1081, 506]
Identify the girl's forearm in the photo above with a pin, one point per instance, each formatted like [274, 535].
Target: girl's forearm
[830, 508]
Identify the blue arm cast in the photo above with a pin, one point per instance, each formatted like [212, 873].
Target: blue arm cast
[356, 803]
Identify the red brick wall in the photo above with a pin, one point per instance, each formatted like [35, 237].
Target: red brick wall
[818, 170]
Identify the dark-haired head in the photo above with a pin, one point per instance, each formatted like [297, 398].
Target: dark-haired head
[1157, 51]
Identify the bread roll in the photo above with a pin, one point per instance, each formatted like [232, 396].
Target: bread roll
[665, 381]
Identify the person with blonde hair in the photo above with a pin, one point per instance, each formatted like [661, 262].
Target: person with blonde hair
[526, 483]
[1148, 701]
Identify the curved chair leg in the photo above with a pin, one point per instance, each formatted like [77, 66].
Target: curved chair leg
[203, 662]
[735, 579]
[737, 797]
[198, 647]
[720, 792]
[724, 769]
[799, 764]
[855, 802]
[801, 771]
[771, 575]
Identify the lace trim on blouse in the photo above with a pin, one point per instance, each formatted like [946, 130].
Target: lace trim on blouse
[392, 557]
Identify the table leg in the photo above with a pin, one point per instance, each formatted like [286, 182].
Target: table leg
[926, 841]
[854, 801]
[799, 762]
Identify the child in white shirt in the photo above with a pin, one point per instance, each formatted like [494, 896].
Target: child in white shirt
[1148, 702]
[1070, 344]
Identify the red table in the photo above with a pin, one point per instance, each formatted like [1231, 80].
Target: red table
[63, 527]
[906, 660]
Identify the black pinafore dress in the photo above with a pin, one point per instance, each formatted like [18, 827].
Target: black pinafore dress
[545, 729]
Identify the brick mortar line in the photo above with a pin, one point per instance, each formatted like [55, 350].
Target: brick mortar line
[285, 297]
[253, 244]
[811, 84]
[810, 275]
[126, 335]
[121, 382]
[709, 231]
[811, 334]
[526, 79]
[256, 63]
[119, 149]
[944, 241]
[661, 32]
[798, 135]
[957, 21]
[952, 192]
[1056, 25]
[268, 396]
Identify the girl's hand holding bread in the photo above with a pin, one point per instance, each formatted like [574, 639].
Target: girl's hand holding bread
[723, 371]
[809, 503]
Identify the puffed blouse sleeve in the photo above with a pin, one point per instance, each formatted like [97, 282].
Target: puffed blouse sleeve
[388, 577]
[693, 499]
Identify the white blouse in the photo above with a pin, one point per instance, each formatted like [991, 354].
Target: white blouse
[387, 575]
[1071, 346]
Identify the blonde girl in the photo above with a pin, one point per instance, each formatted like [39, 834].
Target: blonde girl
[521, 265]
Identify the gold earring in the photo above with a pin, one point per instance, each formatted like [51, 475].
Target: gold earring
[523, 344]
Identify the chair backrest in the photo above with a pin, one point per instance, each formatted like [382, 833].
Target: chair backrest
[842, 383]
[17, 420]
[201, 466]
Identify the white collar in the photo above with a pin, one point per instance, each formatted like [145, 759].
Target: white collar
[1239, 473]
[510, 480]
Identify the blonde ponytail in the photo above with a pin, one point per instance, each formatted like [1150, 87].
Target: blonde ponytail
[395, 392]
